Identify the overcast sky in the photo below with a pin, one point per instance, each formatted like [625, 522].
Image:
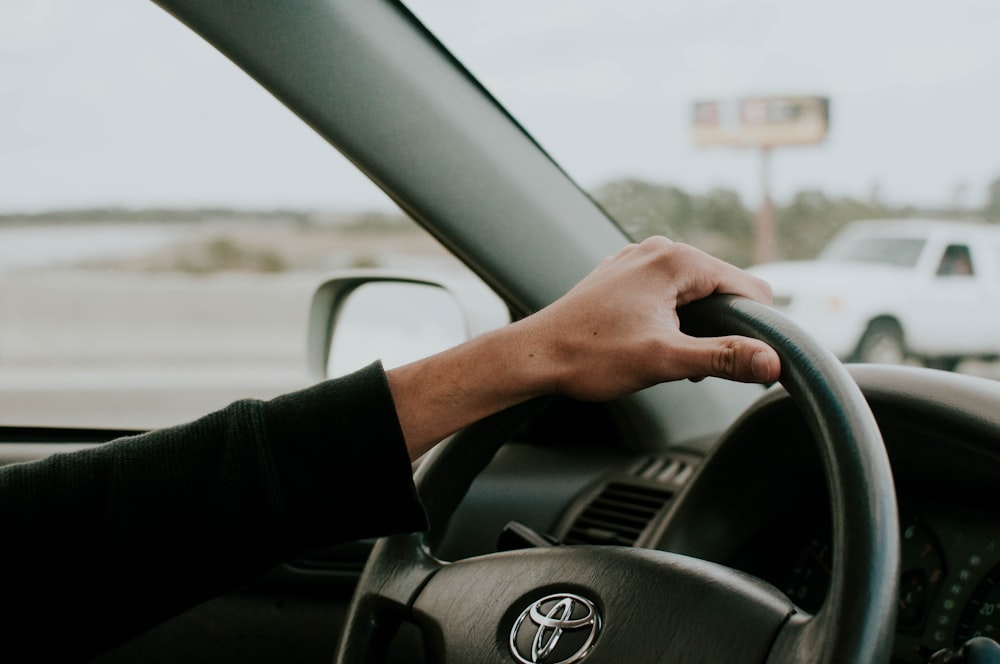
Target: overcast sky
[112, 102]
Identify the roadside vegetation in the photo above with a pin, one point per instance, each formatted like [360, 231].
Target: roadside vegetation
[718, 221]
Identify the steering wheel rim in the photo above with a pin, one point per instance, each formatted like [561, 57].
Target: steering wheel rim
[857, 620]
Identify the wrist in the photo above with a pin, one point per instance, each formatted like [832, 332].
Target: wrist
[439, 395]
[534, 364]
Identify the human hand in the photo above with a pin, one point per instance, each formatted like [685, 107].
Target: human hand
[617, 330]
[613, 333]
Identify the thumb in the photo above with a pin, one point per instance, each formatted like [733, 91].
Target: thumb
[733, 357]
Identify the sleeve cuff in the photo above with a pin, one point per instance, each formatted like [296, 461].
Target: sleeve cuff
[341, 464]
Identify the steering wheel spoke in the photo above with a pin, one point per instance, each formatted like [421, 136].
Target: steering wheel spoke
[644, 604]
[397, 570]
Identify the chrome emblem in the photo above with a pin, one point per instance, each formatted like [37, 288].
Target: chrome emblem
[558, 629]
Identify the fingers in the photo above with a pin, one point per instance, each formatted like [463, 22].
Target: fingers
[626, 250]
[617, 330]
[734, 358]
[734, 281]
[697, 274]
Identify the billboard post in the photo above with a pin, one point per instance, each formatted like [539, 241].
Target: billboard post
[764, 231]
[763, 123]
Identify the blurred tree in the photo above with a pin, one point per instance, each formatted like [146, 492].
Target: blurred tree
[805, 225]
[719, 223]
[644, 209]
[723, 226]
[992, 209]
[716, 222]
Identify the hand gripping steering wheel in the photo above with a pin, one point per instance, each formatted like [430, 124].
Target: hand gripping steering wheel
[602, 604]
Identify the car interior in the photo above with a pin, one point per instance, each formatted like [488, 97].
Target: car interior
[846, 514]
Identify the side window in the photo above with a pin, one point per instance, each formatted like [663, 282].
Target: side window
[163, 224]
[956, 262]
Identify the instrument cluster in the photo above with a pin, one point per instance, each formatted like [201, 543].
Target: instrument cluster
[949, 586]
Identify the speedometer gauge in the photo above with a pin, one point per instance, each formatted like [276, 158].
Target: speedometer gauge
[921, 565]
[809, 578]
[921, 571]
[981, 616]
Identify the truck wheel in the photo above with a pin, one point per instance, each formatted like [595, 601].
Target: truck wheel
[882, 343]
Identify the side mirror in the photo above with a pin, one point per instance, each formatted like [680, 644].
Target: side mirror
[360, 317]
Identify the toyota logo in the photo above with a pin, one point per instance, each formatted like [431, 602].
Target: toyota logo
[558, 629]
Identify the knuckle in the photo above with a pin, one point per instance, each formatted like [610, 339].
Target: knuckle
[657, 246]
[663, 252]
[679, 253]
[766, 289]
[624, 251]
[724, 361]
[657, 242]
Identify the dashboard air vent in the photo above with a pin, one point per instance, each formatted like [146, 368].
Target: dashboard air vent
[618, 515]
[664, 470]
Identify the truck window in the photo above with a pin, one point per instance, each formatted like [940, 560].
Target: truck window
[956, 261]
[898, 251]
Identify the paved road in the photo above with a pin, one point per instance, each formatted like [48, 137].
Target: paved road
[92, 349]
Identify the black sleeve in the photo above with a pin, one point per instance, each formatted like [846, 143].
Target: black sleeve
[102, 544]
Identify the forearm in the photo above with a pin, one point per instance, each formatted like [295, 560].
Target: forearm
[441, 394]
[154, 524]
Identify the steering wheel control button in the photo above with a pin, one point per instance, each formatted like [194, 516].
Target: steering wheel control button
[558, 629]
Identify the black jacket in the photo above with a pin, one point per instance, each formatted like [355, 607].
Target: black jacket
[102, 544]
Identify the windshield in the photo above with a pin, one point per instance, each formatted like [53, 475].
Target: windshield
[898, 251]
[164, 223]
[619, 92]
[757, 130]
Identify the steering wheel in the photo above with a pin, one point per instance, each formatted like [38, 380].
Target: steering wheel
[561, 605]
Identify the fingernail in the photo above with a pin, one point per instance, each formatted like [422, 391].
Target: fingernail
[759, 367]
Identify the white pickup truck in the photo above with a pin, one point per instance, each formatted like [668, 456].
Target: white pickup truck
[889, 290]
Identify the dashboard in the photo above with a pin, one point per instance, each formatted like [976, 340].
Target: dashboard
[756, 500]
[949, 586]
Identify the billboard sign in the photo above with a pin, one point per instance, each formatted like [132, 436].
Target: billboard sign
[762, 121]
